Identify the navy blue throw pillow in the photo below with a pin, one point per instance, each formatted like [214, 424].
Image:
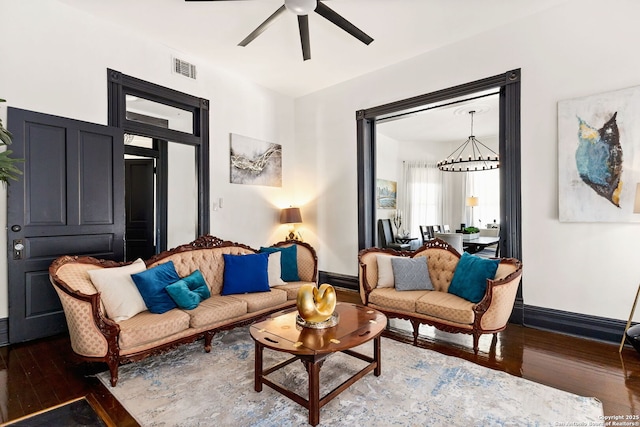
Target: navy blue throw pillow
[152, 282]
[245, 273]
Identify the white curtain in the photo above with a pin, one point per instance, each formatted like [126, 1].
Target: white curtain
[420, 197]
[485, 186]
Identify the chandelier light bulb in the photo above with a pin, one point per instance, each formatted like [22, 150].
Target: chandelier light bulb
[301, 7]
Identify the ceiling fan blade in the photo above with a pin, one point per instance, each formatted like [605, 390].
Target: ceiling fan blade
[255, 33]
[331, 15]
[303, 24]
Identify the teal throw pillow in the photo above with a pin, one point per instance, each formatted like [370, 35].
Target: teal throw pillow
[411, 274]
[470, 277]
[152, 283]
[288, 262]
[245, 273]
[189, 291]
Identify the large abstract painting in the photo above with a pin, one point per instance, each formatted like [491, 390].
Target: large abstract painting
[598, 166]
[255, 162]
[386, 194]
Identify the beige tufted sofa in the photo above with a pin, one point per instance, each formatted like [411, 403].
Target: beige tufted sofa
[97, 338]
[439, 308]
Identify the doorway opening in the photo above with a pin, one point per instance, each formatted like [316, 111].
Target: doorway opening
[409, 146]
[508, 86]
[166, 163]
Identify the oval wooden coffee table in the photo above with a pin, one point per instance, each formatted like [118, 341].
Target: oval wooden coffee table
[280, 332]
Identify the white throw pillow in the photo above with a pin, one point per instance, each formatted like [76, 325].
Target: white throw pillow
[118, 292]
[274, 270]
[385, 272]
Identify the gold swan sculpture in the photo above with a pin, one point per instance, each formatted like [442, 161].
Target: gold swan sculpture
[316, 304]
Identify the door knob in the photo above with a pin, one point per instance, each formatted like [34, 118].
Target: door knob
[18, 247]
[16, 228]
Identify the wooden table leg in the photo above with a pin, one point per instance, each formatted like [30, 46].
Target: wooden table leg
[258, 367]
[314, 392]
[376, 356]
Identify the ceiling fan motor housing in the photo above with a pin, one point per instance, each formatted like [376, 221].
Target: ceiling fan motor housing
[301, 7]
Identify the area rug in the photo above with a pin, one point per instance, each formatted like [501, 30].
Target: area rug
[418, 387]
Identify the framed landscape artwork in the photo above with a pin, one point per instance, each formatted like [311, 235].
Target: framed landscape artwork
[386, 194]
[255, 162]
[598, 164]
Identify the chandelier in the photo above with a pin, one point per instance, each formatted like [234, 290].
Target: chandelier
[468, 157]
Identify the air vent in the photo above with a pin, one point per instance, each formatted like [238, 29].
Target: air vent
[184, 68]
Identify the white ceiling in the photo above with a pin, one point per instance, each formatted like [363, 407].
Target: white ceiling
[449, 123]
[401, 29]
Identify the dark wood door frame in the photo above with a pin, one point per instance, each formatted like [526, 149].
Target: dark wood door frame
[120, 85]
[508, 85]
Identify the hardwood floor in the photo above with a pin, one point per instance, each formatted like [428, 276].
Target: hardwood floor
[43, 373]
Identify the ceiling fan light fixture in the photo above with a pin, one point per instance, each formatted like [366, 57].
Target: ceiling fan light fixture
[301, 7]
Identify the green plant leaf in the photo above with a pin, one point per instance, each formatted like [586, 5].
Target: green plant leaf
[8, 168]
[5, 135]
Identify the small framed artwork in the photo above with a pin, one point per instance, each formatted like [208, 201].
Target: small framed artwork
[386, 192]
[598, 162]
[255, 162]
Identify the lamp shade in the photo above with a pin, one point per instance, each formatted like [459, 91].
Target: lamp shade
[472, 201]
[290, 216]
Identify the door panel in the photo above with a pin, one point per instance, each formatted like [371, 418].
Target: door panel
[140, 208]
[46, 154]
[70, 201]
[96, 179]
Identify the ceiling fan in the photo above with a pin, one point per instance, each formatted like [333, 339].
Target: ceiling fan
[302, 8]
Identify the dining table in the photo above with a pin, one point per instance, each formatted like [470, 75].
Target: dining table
[479, 243]
[405, 239]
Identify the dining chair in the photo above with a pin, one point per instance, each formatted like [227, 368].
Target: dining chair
[493, 250]
[385, 236]
[490, 232]
[454, 239]
[426, 232]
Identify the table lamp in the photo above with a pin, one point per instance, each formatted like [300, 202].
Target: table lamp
[471, 202]
[291, 216]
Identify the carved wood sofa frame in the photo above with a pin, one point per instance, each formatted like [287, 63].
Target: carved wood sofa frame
[490, 314]
[87, 320]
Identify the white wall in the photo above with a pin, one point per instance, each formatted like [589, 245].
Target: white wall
[579, 48]
[54, 60]
[388, 167]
